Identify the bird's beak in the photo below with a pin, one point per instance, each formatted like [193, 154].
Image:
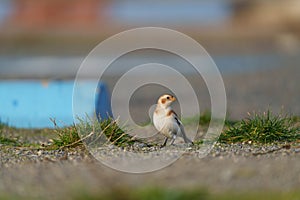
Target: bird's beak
[173, 99]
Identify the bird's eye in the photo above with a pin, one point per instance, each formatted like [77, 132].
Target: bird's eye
[168, 97]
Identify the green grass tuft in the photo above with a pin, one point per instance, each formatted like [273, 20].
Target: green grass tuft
[4, 140]
[104, 132]
[66, 137]
[91, 132]
[8, 141]
[262, 128]
[115, 134]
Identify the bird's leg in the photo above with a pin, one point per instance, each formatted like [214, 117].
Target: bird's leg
[173, 139]
[165, 142]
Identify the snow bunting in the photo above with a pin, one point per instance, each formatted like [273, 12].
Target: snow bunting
[166, 120]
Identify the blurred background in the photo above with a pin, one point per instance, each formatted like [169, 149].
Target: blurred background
[255, 44]
[35, 32]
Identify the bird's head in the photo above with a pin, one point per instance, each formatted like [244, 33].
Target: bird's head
[166, 100]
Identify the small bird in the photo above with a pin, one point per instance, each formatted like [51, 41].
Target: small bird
[166, 120]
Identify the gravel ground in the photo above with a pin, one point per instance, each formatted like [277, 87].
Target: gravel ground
[48, 174]
[237, 167]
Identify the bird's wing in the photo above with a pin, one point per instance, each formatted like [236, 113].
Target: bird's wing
[177, 119]
[186, 139]
[174, 115]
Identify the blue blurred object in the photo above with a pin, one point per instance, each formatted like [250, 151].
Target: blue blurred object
[31, 103]
[103, 105]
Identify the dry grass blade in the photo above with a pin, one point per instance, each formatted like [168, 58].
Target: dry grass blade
[91, 132]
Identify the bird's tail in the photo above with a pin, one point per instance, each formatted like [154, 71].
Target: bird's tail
[185, 138]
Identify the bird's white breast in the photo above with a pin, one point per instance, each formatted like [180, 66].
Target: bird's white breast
[163, 123]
